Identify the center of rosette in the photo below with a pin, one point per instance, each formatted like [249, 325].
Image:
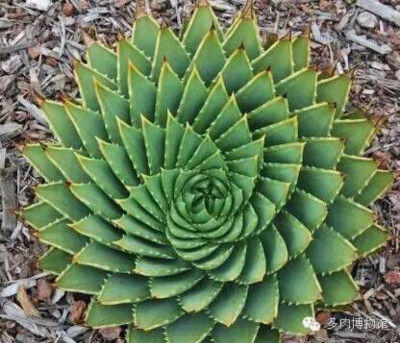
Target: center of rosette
[203, 210]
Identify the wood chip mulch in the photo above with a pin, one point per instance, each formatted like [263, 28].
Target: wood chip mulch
[39, 39]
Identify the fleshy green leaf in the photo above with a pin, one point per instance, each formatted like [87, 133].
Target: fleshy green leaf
[124, 288]
[61, 124]
[99, 315]
[338, 288]
[278, 58]
[262, 301]
[330, 251]
[151, 314]
[189, 328]
[229, 304]
[295, 273]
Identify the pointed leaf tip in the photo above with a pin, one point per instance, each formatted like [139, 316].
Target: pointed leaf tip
[248, 11]
[140, 10]
[202, 3]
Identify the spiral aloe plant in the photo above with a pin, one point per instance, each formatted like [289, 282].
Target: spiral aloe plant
[206, 188]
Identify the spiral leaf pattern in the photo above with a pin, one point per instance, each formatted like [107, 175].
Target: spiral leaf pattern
[206, 188]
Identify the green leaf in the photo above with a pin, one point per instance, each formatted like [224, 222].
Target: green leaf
[264, 209]
[338, 288]
[282, 172]
[370, 240]
[255, 265]
[357, 133]
[297, 237]
[285, 153]
[207, 67]
[193, 99]
[290, 318]
[315, 121]
[156, 267]
[142, 96]
[171, 49]
[189, 144]
[154, 185]
[89, 125]
[118, 160]
[103, 176]
[358, 171]
[254, 148]
[99, 315]
[127, 54]
[60, 198]
[229, 304]
[330, 251]
[236, 136]
[284, 132]
[169, 286]
[143, 247]
[232, 266]
[321, 183]
[234, 80]
[112, 106]
[295, 273]
[132, 207]
[189, 328]
[200, 296]
[55, 261]
[138, 228]
[335, 90]
[83, 279]
[61, 124]
[85, 77]
[102, 257]
[202, 21]
[349, 218]
[300, 88]
[257, 92]
[322, 152]
[143, 197]
[139, 336]
[61, 236]
[66, 161]
[121, 289]
[144, 34]
[97, 229]
[151, 314]
[244, 33]
[173, 137]
[40, 215]
[262, 301]
[275, 249]
[36, 156]
[242, 331]
[205, 150]
[278, 58]
[95, 199]
[275, 191]
[169, 94]
[272, 112]
[135, 147]
[218, 261]
[154, 138]
[301, 51]
[308, 209]
[216, 101]
[102, 59]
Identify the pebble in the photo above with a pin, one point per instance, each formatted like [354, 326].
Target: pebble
[367, 20]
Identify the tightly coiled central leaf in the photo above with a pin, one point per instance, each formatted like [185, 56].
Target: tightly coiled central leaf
[207, 188]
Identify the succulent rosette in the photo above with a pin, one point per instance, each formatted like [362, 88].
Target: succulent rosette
[206, 188]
